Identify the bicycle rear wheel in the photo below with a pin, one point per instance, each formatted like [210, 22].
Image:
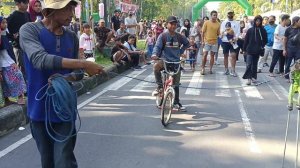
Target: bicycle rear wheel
[166, 108]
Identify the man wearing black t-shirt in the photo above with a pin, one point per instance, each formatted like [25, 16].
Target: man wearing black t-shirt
[14, 22]
[115, 21]
[291, 51]
[103, 35]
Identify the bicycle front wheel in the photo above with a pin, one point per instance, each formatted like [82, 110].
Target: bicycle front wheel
[166, 108]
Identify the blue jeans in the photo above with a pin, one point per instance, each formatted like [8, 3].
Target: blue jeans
[54, 154]
[150, 50]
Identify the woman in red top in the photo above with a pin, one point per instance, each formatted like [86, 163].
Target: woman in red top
[159, 29]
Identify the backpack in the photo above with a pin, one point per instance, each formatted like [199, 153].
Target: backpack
[164, 40]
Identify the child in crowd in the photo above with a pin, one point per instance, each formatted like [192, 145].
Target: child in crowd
[35, 10]
[86, 42]
[229, 33]
[193, 51]
[13, 81]
[150, 41]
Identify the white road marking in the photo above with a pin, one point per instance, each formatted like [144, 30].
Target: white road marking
[196, 82]
[250, 91]
[144, 86]
[222, 82]
[247, 125]
[119, 83]
[280, 92]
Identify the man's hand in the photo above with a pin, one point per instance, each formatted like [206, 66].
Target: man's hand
[284, 53]
[93, 68]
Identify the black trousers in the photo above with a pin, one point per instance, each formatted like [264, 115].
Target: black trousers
[277, 55]
[135, 59]
[251, 66]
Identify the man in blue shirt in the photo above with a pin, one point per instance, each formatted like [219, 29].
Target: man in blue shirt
[270, 29]
[51, 49]
[170, 45]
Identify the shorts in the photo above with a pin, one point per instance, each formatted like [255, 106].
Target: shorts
[227, 47]
[124, 58]
[211, 47]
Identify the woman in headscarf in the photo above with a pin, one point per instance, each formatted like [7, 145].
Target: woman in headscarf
[35, 10]
[255, 40]
[13, 81]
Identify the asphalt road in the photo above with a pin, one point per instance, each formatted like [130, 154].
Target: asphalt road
[227, 125]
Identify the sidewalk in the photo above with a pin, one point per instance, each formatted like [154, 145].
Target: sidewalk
[14, 116]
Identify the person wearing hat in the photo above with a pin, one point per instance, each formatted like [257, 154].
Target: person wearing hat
[103, 35]
[51, 49]
[170, 45]
[227, 46]
[115, 21]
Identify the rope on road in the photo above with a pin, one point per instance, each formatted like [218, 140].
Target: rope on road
[188, 87]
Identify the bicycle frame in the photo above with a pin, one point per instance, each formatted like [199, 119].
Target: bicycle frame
[168, 77]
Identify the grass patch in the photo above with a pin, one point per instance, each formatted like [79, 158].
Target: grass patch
[103, 60]
[141, 44]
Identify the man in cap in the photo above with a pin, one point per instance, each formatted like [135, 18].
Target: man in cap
[51, 49]
[226, 45]
[170, 45]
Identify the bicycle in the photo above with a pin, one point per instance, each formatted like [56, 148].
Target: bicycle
[165, 97]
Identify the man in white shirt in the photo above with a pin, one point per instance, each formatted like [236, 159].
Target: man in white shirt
[278, 45]
[226, 45]
[134, 53]
[131, 24]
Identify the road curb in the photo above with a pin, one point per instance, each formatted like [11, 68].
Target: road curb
[14, 116]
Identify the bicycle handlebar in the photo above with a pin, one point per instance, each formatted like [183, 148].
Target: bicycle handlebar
[166, 69]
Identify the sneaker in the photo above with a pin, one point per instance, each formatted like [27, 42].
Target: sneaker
[179, 107]
[226, 72]
[277, 71]
[233, 73]
[137, 68]
[248, 82]
[202, 72]
[259, 71]
[253, 80]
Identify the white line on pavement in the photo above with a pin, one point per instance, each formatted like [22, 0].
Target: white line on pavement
[250, 91]
[196, 82]
[119, 83]
[222, 82]
[280, 92]
[247, 125]
[143, 86]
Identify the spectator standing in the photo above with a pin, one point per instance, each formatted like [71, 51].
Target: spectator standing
[51, 49]
[141, 29]
[35, 10]
[270, 29]
[103, 35]
[278, 45]
[255, 40]
[228, 49]
[115, 21]
[17, 19]
[196, 33]
[186, 28]
[150, 41]
[13, 81]
[193, 51]
[86, 42]
[265, 20]
[131, 24]
[291, 51]
[210, 33]
[159, 29]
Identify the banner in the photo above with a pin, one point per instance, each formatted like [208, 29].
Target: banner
[78, 10]
[126, 8]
